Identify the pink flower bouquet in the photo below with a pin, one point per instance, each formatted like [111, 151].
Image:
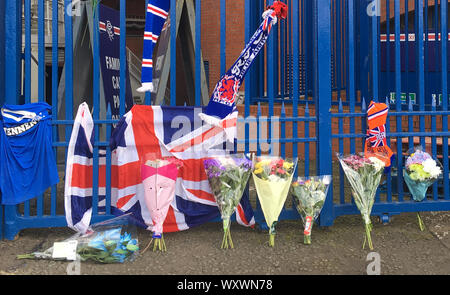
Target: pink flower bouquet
[159, 176]
[364, 175]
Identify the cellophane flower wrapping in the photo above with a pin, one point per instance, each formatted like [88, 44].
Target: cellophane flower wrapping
[421, 171]
[159, 176]
[309, 197]
[272, 177]
[112, 241]
[228, 176]
[364, 176]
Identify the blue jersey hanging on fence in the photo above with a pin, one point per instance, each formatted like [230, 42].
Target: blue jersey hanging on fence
[27, 161]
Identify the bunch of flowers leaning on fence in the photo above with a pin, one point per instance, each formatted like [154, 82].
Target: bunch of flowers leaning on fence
[364, 175]
[228, 177]
[272, 177]
[420, 172]
[309, 197]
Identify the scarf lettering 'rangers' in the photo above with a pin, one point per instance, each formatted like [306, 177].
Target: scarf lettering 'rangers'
[222, 100]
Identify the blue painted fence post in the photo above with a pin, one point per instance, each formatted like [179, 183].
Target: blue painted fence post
[12, 62]
[322, 61]
[2, 52]
[2, 82]
[13, 50]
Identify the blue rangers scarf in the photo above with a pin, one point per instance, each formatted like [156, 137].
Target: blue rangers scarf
[223, 99]
[222, 102]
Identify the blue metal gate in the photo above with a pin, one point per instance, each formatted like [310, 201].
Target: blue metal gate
[306, 95]
[410, 122]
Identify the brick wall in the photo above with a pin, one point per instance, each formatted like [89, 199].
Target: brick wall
[411, 7]
[335, 129]
[235, 35]
[210, 30]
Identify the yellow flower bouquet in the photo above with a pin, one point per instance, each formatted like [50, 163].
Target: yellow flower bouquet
[272, 177]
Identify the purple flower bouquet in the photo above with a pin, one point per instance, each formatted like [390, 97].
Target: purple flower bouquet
[228, 177]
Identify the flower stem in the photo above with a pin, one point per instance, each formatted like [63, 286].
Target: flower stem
[227, 242]
[224, 241]
[229, 239]
[164, 249]
[307, 239]
[421, 224]
[271, 240]
[25, 256]
[368, 227]
[147, 246]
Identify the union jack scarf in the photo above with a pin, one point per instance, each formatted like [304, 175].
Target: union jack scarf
[376, 142]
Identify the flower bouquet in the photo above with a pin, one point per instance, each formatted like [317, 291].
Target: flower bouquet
[272, 177]
[309, 196]
[111, 241]
[159, 176]
[364, 175]
[420, 172]
[109, 246]
[228, 177]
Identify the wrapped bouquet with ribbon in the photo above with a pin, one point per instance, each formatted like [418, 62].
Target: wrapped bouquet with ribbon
[420, 172]
[364, 175]
[272, 177]
[159, 176]
[228, 176]
[111, 241]
[309, 197]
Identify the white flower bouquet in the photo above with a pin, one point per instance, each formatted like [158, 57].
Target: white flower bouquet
[420, 172]
[309, 197]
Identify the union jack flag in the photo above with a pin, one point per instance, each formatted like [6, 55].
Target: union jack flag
[181, 132]
[161, 130]
[377, 136]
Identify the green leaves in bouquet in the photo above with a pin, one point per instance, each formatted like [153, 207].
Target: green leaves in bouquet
[108, 247]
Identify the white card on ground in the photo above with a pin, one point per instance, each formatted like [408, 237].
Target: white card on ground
[65, 250]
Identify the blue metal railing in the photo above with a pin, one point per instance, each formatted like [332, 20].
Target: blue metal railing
[326, 51]
[392, 196]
